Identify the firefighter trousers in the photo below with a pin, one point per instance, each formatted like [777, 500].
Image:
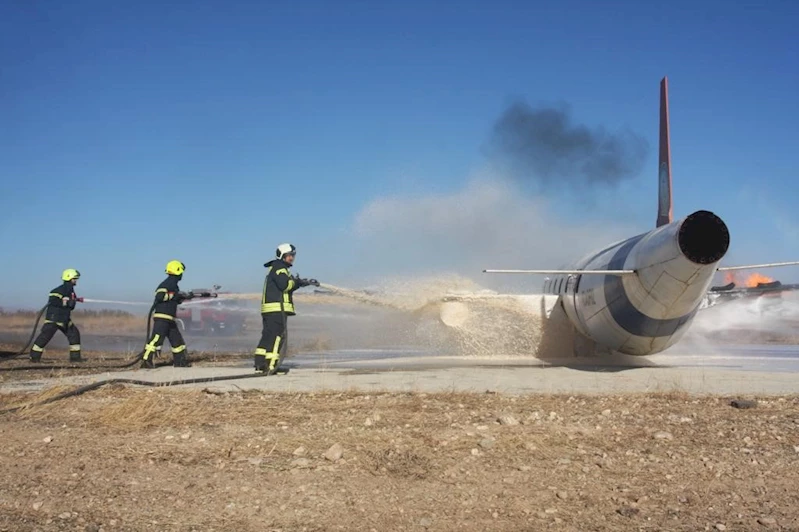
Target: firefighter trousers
[273, 338]
[164, 329]
[48, 331]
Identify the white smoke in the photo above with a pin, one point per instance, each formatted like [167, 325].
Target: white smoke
[762, 315]
[485, 224]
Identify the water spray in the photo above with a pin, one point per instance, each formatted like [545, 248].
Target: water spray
[110, 302]
[360, 296]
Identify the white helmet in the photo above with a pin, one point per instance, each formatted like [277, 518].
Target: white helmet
[285, 249]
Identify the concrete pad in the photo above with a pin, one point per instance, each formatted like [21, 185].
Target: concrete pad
[510, 380]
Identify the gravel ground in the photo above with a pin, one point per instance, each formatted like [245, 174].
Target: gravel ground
[130, 459]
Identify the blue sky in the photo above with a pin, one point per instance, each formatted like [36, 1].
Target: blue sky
[134, 133]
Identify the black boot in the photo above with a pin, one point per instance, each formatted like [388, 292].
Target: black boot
[180, 360]
[147, 363]
[74, 356]
[260, 363]
[36, 356]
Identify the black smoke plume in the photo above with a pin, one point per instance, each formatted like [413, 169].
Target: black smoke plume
[544, 146]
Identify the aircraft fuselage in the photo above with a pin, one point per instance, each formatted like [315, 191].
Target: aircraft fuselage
[648, 310]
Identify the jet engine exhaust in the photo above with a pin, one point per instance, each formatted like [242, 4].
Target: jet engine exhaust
[703, 238]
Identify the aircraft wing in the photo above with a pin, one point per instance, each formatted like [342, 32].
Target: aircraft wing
[715, 296]
[757, 266]
[566, 272]
[631, 272]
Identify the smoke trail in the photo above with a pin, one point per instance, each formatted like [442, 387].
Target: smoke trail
[544, 146]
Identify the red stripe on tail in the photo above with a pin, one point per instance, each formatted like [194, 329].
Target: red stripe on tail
[665, 211]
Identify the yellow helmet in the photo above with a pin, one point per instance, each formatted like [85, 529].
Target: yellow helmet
[175, 267]
[69, 274]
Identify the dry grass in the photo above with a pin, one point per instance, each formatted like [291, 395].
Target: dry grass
[88, 321]
[172, 460]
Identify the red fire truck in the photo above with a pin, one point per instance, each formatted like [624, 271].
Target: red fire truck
[211, 316]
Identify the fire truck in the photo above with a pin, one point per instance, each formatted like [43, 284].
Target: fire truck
[211, 316]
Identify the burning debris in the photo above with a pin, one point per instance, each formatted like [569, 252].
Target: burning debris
[754, 285]
[753, 280]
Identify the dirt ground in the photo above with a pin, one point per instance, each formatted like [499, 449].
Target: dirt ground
[130, 459]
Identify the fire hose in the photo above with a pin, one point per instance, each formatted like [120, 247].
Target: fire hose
[8, 355]
[136, 359]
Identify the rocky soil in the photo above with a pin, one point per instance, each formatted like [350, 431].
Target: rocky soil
[128, 459]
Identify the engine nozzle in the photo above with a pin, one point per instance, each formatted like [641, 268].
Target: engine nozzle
[703, 238]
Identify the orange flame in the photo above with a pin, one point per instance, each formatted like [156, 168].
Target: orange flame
[756, 278]
[750, 282]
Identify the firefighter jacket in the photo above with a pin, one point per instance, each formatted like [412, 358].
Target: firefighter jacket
[167, 298]
[279, 288]
[61, 304]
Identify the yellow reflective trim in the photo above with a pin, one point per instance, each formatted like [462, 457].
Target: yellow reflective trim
[281, 270]
[276, 347]
[60, 324]
[178, 349]
[163, 316]
[276, 307]
[291, 284]
[56, 294]
[37, 348]
[75, 347]
[260, 351]
[161, 290]
[151, 347]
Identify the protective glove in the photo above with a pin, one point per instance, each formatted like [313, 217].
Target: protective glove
[180, 297]
[299, 282]
[79, 299]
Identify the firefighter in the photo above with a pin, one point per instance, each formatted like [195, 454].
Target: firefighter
[167, 298]
[58, 317]
[277, 303]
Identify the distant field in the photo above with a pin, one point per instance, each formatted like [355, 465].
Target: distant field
[89, 321]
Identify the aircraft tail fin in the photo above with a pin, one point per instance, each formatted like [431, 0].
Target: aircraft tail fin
[665, 211]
